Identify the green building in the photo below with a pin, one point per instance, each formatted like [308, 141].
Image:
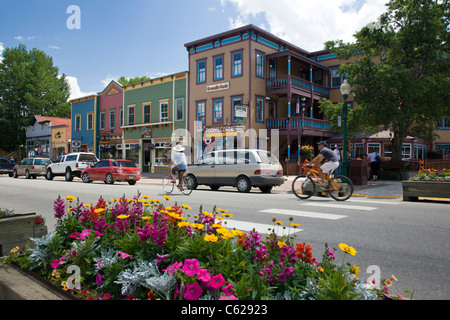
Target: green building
[152, 111]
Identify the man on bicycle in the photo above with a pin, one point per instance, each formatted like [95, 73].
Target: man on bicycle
[180, 164]
[332, 162]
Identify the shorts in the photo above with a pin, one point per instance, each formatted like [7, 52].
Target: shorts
[329, 167]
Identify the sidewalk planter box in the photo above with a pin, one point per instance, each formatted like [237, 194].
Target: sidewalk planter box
[412, 190]
[17, 229]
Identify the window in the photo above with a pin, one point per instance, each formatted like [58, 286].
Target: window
[102, 120]
[406, 151]
[387, 150]
[218, 111]
[272, 68]
[164, 111]
[371, 147]
[77, 123]
[201, 71]
[259, 65]
[201, 115]
[259, 109]
[90, 121]
[146, 110]
[218, 68]
[237, 64]
[121, 116]
[336, 79]
[237, 101]
[444, 123]
[179, 109]
[112, 118]
[131, 116]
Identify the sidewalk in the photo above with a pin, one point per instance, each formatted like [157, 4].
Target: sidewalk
[378, 189]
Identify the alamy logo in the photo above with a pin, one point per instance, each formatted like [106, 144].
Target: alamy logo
[74, 20]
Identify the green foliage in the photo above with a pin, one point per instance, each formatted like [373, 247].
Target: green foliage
[399, 69]
[126, 81]
[29, 85]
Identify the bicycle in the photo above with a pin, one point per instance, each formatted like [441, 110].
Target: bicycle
[184, 185]
[339, 188]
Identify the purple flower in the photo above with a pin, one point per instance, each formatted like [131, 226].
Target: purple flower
[174, 267]
[161, 258]
[59, 207]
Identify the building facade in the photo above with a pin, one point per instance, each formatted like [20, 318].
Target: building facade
[84, 124]
[152, 111]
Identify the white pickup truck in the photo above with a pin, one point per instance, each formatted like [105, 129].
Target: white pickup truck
[70, 165]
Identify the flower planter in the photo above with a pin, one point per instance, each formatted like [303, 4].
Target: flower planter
[17, 229]
[412, 190]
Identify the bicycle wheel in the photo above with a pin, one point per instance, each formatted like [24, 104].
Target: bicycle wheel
[344, 188]
[186, 186]
[303, 187]
[167, 184]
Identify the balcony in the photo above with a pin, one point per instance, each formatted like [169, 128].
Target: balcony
[301, 125]
[291, 84]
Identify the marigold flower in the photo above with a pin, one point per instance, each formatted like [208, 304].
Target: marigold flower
[185, 206]
[222, 210]
[167, 197]
[355, 270]
[211, 238]
[70, 198]
[295, 225]
[347, 249]
[123, 216]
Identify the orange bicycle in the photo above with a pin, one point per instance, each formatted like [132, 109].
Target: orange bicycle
[340, 188]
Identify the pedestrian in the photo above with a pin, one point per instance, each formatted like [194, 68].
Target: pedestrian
[374, 164]
[337, 151]
[367, 161]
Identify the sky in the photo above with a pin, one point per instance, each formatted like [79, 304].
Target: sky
[98, 40]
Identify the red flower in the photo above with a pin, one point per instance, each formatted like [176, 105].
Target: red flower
[38, 221]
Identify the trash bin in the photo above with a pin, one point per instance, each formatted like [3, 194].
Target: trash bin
[358, 172]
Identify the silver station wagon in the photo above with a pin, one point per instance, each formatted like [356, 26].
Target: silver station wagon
[240, 168]
[31, 167]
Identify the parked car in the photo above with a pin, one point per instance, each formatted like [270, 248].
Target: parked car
[6, 167]
[70, 165]
[31, 167]
[110, 170]
[241, 168]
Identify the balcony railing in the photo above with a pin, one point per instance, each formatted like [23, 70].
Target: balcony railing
[282, 83]
[297, 123]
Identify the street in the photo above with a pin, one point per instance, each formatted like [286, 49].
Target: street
[406, 239]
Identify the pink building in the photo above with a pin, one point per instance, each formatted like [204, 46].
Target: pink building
[109, 121]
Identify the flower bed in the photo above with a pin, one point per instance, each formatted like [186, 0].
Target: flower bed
[143, 248]
[427, 183]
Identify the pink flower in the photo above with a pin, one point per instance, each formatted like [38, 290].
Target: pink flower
[99, 234]
[191, 267]
[232, 297]
[193, 291]
[85, 233]
[74, 235]
[203, 275]
[217, 281]
[98, 279]
[174, 267]
[124, 255]
[228, 290]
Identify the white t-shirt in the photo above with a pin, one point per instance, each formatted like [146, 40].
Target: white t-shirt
[179, 159]
[338, 154]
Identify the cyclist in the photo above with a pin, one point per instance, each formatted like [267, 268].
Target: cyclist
[325, 154]
[180, 164]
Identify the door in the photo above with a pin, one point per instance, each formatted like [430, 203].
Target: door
[225, 169]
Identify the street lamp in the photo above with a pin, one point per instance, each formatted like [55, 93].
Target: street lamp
[345, 91]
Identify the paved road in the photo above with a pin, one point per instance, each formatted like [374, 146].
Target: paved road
[406, 239]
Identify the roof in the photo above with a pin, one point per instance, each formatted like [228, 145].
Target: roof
[55, 122]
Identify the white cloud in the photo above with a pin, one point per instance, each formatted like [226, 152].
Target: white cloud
[2, 47]
[75, 91]
[54, 47]
[308, 23]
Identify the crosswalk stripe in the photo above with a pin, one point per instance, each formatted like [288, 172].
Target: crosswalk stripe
[393, 202]
[259, 227]
[304, 214]
[338, 206]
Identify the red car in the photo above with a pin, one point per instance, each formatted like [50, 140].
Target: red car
[110, 170]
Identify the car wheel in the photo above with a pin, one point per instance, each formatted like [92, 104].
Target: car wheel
[109, 179]
[192, 182]
[85, 178]
[265, 189]
[214, 187]
[131, 182]
[15, 175]
[27, 174]
[69, 175]
[49, 175]
[243, 184]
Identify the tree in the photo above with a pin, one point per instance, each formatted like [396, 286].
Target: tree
[124, 81]
[399, 69]
[29, 85]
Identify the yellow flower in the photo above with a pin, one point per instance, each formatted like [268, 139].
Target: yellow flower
[355, 270]
[185, 206]
[183, 224]
[219, 218]
[347, 249]
[87, 205]
[99, 210]
[320, 269]
[222, 210]
[393, 278]
[13, 250]
[55, 273]
[279, 223]
[228, 215]
[237, 232]
[388, 283]
[281, 244]
[70, 198]
[227, 234]
[123, 216]
[295, 225]
[146, 197]
[211, 238]
[145, 218]
[197, 226]
[167, 197]
[217, 225]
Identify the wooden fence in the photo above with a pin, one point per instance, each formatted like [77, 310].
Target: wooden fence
[437, 164]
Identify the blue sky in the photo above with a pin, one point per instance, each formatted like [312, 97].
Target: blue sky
[146, 37]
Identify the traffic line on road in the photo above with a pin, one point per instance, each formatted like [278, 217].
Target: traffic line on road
[338, 206]
[391, 202]
[259, 227]
[306, 214]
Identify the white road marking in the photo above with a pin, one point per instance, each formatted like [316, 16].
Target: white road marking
[307, 214]
[338, 206]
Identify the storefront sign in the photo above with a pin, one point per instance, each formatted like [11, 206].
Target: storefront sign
[104, 138]
[218, 87]
[223, 131]
[76, 143]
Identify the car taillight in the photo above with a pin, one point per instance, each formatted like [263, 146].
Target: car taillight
[280, 172]
[32, 167]
[76, 165]
[259, 171]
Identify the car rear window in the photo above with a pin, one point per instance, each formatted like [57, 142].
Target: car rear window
[87, 157]
[124, 164]
[267, 157]
[40, 162]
